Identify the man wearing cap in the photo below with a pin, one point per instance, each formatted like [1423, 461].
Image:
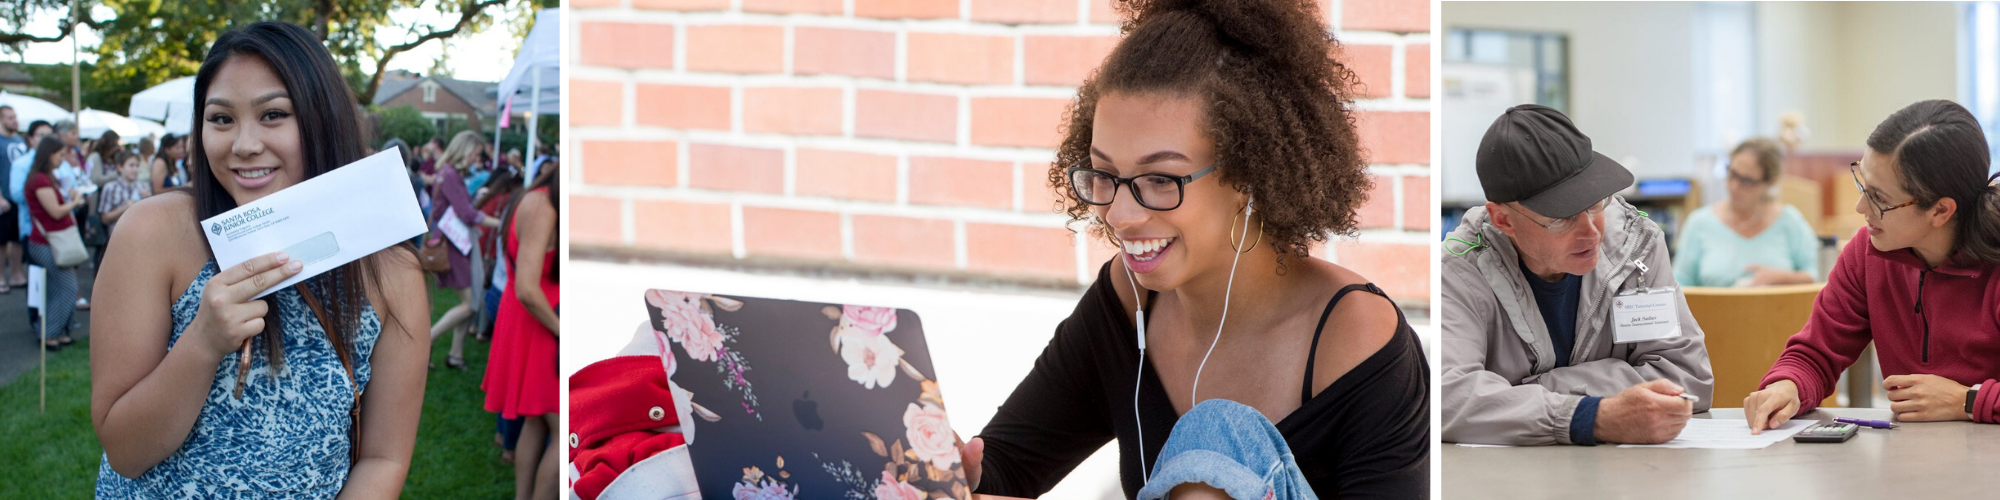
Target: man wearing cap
[1562, 323]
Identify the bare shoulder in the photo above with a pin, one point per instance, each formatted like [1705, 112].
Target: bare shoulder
[1359, 325]
[534, 200]
[165, 226]
[1360, 307]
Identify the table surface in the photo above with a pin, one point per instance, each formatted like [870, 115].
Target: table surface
[1944, 460]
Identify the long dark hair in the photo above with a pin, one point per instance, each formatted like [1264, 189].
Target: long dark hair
[44, 153]
[324, 109]
[1941, 153]
[546, 178]
[107, 146]
[167, 142]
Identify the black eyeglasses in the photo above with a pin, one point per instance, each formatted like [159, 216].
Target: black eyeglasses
[1154, 191]
[1854, 169]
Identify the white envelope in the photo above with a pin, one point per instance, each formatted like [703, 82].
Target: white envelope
[327, 221]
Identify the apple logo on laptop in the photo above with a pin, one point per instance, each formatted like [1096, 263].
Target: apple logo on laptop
[808, 412]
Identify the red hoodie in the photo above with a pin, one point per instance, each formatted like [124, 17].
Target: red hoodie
[1943, 322]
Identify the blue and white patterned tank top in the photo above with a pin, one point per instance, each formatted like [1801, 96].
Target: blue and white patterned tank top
[286, 438]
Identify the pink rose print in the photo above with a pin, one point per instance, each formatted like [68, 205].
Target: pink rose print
[769, 491]
[891, 489]
[930, 435]
[757, 486]
[870, 320]
[686, 323]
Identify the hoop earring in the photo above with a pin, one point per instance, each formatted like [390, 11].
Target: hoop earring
[1234, 244]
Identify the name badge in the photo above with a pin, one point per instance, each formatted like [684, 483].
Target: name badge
[1645, 315]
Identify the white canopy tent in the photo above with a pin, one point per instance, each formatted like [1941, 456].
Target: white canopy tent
[537, 76]
[170, 103]
[148, 129]
[92, 123]
[27, 109]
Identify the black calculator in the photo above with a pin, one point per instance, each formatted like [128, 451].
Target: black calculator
[1827, 432]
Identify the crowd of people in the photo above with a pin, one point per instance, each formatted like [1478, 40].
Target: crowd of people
[469, 196]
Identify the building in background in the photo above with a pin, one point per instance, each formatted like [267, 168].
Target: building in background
[441, 98]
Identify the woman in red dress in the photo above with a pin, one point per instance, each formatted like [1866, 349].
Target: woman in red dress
[521, 373]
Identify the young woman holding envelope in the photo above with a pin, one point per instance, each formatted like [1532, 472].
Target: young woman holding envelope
[328, 401]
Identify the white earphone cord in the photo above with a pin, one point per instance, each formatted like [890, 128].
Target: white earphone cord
[1194, 393]
[1139, 303]
[1139, 375]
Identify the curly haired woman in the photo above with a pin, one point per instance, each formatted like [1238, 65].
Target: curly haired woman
[1215, 146]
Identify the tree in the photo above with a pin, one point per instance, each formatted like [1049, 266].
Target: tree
[159, 41]
[407, 123]
[99, 91]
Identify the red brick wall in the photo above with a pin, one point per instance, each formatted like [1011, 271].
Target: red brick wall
[909, 134]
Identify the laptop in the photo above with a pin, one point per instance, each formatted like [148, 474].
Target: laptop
[808, 400]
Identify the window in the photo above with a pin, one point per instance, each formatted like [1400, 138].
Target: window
[430, 91]
[1539, 60]
[1979, 68]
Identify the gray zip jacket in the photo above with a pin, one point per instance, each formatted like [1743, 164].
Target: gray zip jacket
[1501, 385]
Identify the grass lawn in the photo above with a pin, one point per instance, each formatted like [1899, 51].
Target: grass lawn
[55, 454]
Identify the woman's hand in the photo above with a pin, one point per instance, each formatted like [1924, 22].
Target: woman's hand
[1770, 276]
[228, 314]
[1926, 398]
[969, 455]
[1771, 407]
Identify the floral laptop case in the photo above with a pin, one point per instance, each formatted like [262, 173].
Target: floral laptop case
[804, 400]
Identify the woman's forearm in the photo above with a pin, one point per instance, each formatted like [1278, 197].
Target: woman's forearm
[531, 297]
[1794, 278]
[150, 421]
[375, 477]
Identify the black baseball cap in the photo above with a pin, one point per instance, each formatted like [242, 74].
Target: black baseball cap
[1532, 154]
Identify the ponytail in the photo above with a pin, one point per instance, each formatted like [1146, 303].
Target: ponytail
[1981, 230]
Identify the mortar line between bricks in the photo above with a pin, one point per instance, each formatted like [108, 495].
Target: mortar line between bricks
[1398, 61]
[958, 244]
[736, 231]
[1396, 201]
[763, 200]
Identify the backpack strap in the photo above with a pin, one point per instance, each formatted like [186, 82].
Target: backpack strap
[346, 362]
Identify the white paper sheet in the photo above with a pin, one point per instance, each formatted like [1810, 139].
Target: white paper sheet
[1727, 434]
[329, 220]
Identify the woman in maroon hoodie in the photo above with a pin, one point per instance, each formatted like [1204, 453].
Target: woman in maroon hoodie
[1922, 281]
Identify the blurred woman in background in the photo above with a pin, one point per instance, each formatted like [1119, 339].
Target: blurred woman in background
[1751, 238]
[450, 202]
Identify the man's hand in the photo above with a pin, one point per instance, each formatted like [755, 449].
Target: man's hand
[1772, 406]
[1648, 413]
[1926, 398]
